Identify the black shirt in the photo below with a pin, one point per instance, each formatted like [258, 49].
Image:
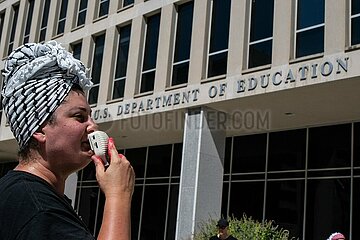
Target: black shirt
[31, 209]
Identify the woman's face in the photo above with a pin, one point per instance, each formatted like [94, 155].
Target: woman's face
[66, 144]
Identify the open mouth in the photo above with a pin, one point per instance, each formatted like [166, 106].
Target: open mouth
[85, 146]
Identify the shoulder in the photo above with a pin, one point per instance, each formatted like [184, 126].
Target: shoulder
[214, 238]
[232, 238]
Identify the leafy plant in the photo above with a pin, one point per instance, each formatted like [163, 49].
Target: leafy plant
[244, 228]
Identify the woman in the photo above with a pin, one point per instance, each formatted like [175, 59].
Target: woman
[45, 104]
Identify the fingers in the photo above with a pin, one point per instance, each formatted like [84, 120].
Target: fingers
[99, 165]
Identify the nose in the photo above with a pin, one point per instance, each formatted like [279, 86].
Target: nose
[92, 126]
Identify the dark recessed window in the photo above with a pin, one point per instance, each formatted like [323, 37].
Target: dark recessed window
[82, 12]
[62, 17]
[219, 37]
[310, 27]
[2, 18]
[355, 22]
[28, 21]
[150, 53]
[121, 62]
[96, 68]
[182, 43]
[127, 3]
[103, 7]
[44, 21]
[261, 33]
[15, 14]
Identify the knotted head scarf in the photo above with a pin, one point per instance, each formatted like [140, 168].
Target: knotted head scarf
[37, 78]
[336, 236]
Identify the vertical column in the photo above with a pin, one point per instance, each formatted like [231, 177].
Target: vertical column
[201, 172]
[20, 25]
[135, 57]
[71, 16]
[283, 35]
[199, 41]
[90, 13]
[53, 19]
[335, 26]
[165, 48]
[36, 22]
[237, 37]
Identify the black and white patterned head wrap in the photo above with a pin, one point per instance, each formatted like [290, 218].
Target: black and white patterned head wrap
[38, 77]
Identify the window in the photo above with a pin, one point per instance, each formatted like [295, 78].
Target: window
[76, 50]
[355, 22]
[309, 27]
[219, 37]
[261, 33]
[44, 21]
[96, 68]
[121, 62]
[82, 12]
[15, 13]
[28, 21]
[125, 3]
[103, 7]
[180, 70]
[2, 18]
[301, 178]
[150, 53]
[155, 198]
[62, 17]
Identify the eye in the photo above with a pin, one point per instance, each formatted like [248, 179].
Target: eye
[81, 117]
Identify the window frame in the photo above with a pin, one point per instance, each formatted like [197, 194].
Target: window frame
[175, 40]
[29, 16]
[305, 29]
[119, 42]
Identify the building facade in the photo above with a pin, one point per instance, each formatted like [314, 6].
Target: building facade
[223, 107]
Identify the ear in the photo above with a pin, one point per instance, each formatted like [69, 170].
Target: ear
[39, 135]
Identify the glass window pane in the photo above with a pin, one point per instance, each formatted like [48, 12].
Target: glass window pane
[88, 206]
[310, 12]
[328, 202]
[159, 160]
[147, 81]
[83, 4]
[355, 31]
[61, 27]
[262, 14]
[81, 18]
[260, 54]
[45, 13]
[183, 32]
[137, 157]
[249, 153]
[123, 51]
[330, 147]
[217, 64]
[136, 205]
[93, 94]
[285, 205]
[172, 215]
[119, 87]
[151, 43]
[310, 42]
[177, 157]
[98, 58]
[240, 204]
[287, 150]
[2, 18]
[356, 209]
[357, 144]
[355, 7]
[154, 212]
[104, 8]
[180, 73]
[29, 18]
[128, 2]
[220, 25]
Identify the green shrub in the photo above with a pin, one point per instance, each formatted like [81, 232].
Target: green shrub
[245, 228]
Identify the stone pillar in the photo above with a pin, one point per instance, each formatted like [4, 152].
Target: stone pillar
[202, 170]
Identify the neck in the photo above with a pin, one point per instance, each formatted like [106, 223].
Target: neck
[36, 168]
